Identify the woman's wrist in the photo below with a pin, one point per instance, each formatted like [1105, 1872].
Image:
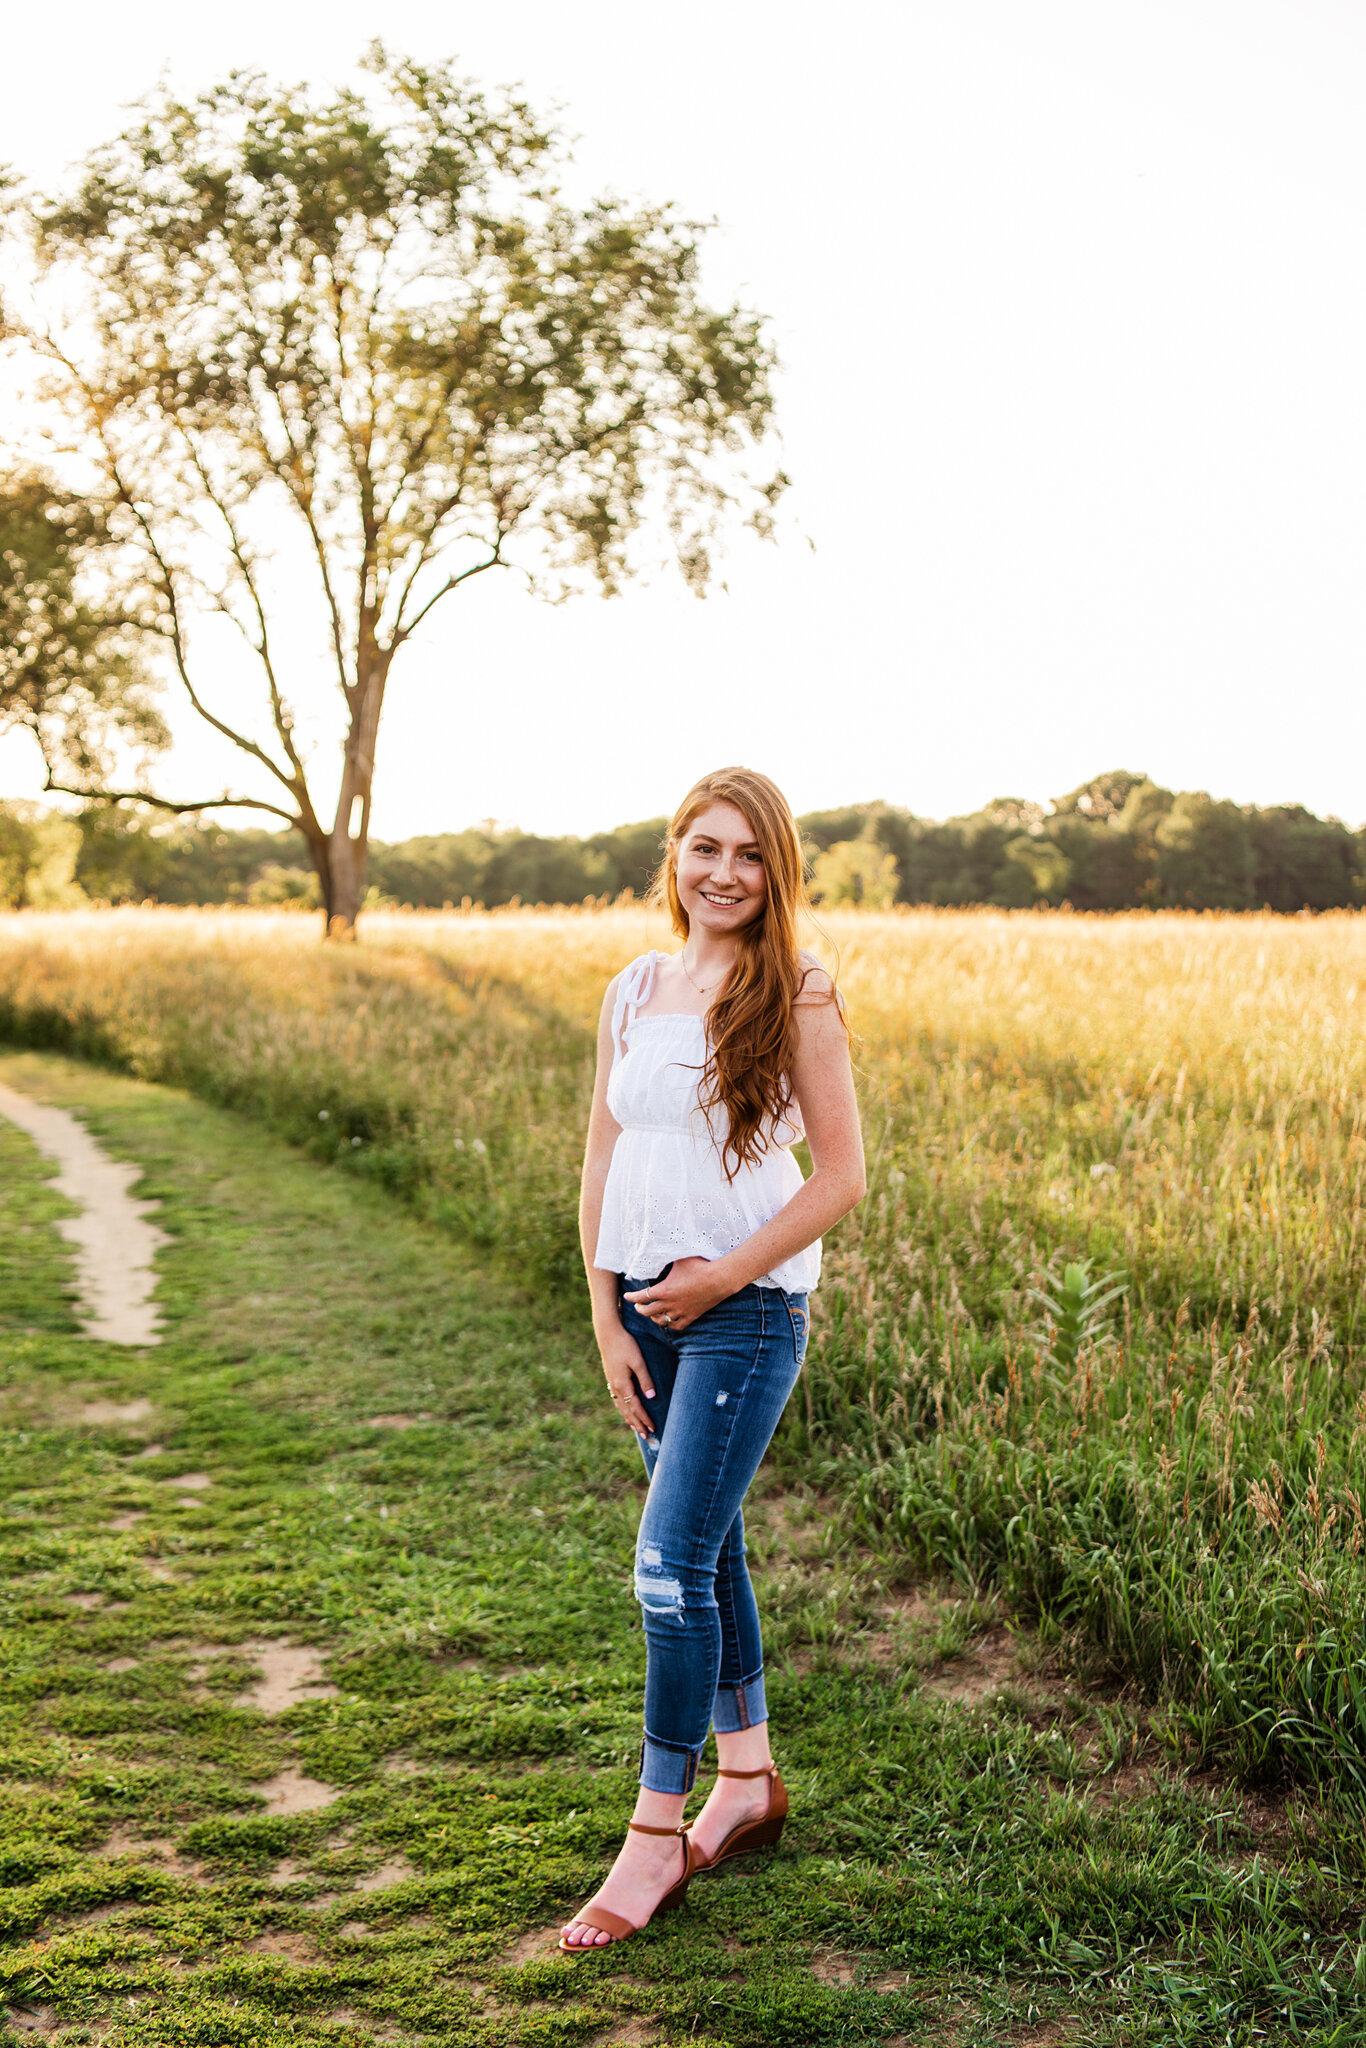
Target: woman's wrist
[723, 1276]
[606, 1315]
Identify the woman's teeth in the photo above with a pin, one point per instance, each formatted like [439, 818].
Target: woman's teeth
[719, 899]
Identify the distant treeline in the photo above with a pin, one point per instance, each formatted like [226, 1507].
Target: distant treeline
[1118, 842]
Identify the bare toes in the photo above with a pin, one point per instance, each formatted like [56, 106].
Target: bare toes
[579, 1935]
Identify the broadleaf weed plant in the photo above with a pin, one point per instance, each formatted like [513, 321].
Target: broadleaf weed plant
[1075, 1309]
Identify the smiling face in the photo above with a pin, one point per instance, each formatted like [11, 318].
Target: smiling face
[720, 871]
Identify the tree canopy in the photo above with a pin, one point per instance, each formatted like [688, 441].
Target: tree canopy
[1119, 842]
[855, 871]
[372, 319]
[70, 672]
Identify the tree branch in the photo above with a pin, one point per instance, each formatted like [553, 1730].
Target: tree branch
[166, 579]
[261, 646]
[495, 561]
[162, 803]
[292, 474]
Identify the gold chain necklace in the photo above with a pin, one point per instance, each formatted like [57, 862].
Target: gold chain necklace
[683, 960]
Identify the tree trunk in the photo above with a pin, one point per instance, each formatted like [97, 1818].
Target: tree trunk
[347, 862]
[320, 853]
[347, 847]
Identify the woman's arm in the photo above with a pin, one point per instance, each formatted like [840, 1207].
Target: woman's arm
[823, 1083]
[621, 1356]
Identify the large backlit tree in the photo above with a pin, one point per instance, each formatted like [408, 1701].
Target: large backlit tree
[373, 317]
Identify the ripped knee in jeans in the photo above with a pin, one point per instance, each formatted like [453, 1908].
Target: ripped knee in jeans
[657, 1593]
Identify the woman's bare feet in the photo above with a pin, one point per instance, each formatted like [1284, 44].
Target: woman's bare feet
[647, 1867]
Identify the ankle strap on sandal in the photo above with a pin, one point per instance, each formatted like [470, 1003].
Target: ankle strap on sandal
[641, 1829]
[765, 1771]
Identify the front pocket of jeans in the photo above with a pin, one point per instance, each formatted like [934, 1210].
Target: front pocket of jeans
[800, 1330]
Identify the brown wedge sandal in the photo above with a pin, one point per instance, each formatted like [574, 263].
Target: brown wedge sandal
[751, 1834]
[612, 1923]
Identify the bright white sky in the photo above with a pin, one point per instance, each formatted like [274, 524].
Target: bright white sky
[1072, 304]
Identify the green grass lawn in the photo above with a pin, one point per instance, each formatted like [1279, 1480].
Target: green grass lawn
[401, 1490]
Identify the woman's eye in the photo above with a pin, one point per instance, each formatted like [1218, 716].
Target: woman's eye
[707, 849]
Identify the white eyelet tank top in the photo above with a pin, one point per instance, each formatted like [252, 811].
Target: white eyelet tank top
[666, 1195]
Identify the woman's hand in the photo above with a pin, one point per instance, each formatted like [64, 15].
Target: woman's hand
[628, 1377]
[687, 1291]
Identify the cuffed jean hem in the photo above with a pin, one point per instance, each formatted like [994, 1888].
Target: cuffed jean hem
[664, 1767]
[739, 1706]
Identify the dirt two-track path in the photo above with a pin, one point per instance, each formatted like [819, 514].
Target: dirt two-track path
[115, 1242]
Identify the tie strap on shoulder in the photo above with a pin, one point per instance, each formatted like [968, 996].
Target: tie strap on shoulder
[633, 989]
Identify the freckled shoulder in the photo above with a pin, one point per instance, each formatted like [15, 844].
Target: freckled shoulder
[816, 986]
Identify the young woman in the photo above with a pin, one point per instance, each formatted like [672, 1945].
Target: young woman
[702, 1242]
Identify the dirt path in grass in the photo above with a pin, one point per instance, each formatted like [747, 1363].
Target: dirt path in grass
[115, 1243]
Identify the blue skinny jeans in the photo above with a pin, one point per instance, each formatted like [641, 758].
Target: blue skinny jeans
[720, 1387]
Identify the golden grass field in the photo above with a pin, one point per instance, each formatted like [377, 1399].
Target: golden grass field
[1179, 1097]
[1215, 1062]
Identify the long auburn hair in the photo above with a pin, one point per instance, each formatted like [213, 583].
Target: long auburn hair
[752, 1037]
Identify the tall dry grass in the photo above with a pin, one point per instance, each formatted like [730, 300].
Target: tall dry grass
[1179, 1097]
